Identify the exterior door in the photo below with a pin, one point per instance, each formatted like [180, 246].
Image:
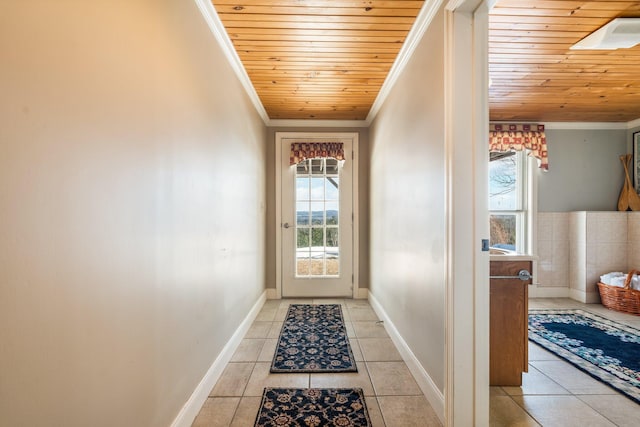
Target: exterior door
[317, 223]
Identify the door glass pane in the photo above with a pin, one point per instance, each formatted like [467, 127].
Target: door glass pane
[317, 212]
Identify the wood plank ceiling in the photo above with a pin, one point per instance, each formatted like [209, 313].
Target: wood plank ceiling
[327, 59]
[317, 59]
[534, 75]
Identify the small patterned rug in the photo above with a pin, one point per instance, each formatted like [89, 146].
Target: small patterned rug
[313, 339]
[313, 407]
[608, 351]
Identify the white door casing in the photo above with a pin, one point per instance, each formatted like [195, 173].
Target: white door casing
[316, 220]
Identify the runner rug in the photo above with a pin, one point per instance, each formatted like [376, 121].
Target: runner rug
[287, 407]
[313, 339]
[608, 351]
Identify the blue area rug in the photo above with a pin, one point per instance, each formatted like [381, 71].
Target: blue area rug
[313, 339]
[286, 407]
[608, 351]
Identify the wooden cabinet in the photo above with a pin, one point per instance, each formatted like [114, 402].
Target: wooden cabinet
[508, 348]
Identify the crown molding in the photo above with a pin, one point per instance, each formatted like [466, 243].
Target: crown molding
[215, 25]
[586, 125]
[313, 123]
[633, 124]
[424, 18]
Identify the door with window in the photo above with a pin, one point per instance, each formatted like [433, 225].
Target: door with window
[316, 218]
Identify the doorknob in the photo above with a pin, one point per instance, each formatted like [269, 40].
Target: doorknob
[286, 225]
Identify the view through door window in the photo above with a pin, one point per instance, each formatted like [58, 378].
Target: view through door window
[317, 199]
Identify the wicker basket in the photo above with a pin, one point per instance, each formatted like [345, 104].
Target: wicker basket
[624, 299]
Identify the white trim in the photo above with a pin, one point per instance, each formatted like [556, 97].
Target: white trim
[633, 124]
[584, 125]
[354, 195]
[537, 291]
[584, 297]
[363, 293]
[428, 387]
[217, 28]
[311, 123]
[424, 18]
[190, 410]
[272, 293]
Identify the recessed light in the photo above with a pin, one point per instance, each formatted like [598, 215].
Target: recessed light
[619, 33]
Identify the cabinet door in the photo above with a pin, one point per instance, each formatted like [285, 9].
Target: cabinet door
[508, 323]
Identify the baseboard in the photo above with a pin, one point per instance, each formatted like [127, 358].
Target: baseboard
[272, 293]
[428, 387]
[536, 291]
[363, 293]
[585, 297]
[190, 409]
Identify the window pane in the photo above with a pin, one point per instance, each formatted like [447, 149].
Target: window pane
[331, 189]
[332, 213]
[302, 213]
[317, 238]
[317, 213]
[503, 183]
[317, 188]
[503, 229]
[302, 188]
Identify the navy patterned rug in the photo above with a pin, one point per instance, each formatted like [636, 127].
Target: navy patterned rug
[287, 407]
[608, 351]
[313, 339]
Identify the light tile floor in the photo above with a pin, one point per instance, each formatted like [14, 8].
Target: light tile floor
[554, 393]
[392, 396]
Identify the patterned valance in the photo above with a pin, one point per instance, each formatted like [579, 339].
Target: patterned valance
[310, 150]
[517, 137]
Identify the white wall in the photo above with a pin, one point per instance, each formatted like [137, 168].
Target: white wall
[407, 199]
[131, 210]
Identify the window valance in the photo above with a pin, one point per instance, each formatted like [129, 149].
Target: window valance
[309, 150]
[518, 137]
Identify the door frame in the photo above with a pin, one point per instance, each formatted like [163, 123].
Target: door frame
[354, 195]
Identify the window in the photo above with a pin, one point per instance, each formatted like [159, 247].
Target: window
[508, 201]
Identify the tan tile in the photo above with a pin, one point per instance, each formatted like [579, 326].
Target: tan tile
[538, 353]
[216, 412]
[407, 411]
[571, 378]
[356, 303]
[535, 382]
[392, 378]
[565, 411]
[248, 350]
[504, 412]
[619, 409]
[233, 380]
[247, 412]
[350, 331]
[268, 350]
[274, 331]
[374, 411]
[361, 313]
[267, 314]
[261, 378]
[345, 380]
[369, 330]
[355, 348]
[258, 329]
[281, 314]
[379, 350]
[496, 391]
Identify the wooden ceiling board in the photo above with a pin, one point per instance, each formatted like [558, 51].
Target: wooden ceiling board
[328, 59]
[317, 59]
[535, 76]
